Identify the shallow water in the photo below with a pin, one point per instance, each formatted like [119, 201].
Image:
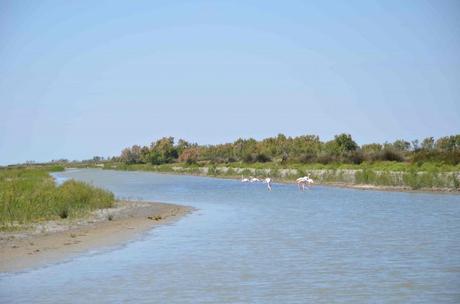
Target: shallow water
[247, 245]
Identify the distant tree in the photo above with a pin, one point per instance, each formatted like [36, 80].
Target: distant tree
[182, 145]
[371, 148]
[305, 148]
[415, 145]
[145, 155]
[300, 149]
[241, 149]
[126, 155]
[98, 158]
[448, 143]
[401, 145]
[331, 149]
[372, 152]
[130, 155]
[189, 155]
[428, 144]
[340, 148]
[163, 151]
[345, 143]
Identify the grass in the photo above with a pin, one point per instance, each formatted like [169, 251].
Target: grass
[30, 195]
[429, 175]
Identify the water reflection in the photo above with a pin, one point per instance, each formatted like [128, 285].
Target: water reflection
[245, 244]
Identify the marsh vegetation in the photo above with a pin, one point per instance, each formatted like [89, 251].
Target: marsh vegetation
[426, 164]
[30, 194]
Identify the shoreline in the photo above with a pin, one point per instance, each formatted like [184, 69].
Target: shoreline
[363, 187]
[370, 187]
[56, 241]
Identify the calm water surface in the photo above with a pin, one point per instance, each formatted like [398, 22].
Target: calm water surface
[247, 245]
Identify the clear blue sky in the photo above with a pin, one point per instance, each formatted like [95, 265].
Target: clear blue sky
[84, 78]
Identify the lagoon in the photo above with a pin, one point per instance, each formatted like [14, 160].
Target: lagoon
[244, 244]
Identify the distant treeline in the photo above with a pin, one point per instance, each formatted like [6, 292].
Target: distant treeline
[300, 149]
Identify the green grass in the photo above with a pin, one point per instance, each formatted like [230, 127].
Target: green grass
[30, 195]
[378, 166]
[427, 176]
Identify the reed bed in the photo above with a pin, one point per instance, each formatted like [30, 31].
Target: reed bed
[31, 195]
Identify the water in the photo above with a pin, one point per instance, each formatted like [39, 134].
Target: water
[247, 245]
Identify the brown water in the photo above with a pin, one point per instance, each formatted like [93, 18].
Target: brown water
[248, 245]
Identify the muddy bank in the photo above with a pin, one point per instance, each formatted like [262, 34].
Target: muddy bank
[55, 241]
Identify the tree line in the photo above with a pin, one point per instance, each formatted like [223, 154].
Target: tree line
[300, 149]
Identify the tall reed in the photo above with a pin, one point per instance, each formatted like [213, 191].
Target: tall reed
[30, 195]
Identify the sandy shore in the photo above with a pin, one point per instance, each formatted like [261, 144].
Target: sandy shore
[55, 241]
[392, 188]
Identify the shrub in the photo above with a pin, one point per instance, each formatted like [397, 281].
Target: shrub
[262, 158]
[356, 157]
[390, 155]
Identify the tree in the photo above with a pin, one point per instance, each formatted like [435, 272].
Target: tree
[371, 148]
[189, 155]
[163, 151]
[304, 149]
[131, 155]
[428, 144]
[345, 143]
[182, 145]
[401, 145]
[145, 154]
[448, 143]
[126, 155]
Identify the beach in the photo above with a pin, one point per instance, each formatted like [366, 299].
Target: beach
[54, 241]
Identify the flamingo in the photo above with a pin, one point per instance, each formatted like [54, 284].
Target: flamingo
[268, 181]
[300, 183]
[303, 182]
[254, 179]
[244, 180]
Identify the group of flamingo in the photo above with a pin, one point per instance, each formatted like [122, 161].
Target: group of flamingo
[251, 179]
[302, 182]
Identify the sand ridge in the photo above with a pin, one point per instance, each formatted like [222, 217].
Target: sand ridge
[55, 241]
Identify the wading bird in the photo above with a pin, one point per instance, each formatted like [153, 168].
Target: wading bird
[268, 181]
[303, 182]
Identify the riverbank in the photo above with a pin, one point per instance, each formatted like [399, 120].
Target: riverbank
[392, 188]
[364, 178]
[52, 241]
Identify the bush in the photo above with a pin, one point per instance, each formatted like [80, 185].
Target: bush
[326, 159]
[307, 158]
[262, 158]
[389, 155]
[189, 156]
[356, 157]
[365, 176]
[411, 179]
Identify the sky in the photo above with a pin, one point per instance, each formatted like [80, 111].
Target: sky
[85, 78]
